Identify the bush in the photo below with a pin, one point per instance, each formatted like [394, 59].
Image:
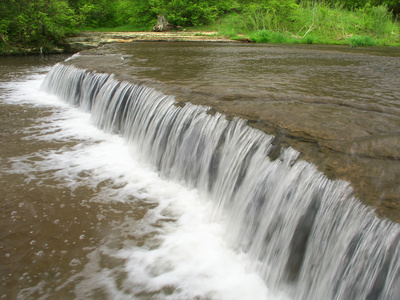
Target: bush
[271, 15]
[190, 12]
[36, 23]
[356, 41]
[135, 12]
[266, 36]
[96, 13]
[380, 20]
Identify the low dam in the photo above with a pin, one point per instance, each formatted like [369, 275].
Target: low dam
[234, 171]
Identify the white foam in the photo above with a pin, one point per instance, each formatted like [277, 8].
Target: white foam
[191, 259]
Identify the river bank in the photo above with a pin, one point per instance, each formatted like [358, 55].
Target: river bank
[93, 39]
[88, 40]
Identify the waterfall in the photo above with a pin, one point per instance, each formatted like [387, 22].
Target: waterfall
[302, 231]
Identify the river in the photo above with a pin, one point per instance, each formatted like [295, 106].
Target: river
[122, 213]
[338, 106]
[81, 218]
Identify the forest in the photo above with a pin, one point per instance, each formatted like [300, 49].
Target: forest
[44, 23]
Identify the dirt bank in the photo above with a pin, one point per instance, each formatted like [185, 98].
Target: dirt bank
[88, 40]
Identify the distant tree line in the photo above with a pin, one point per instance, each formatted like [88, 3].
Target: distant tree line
[43, 23]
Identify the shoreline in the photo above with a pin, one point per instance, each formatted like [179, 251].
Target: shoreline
[86, 40]
[94, 39]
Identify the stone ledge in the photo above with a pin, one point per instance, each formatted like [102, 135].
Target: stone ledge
[89, 40]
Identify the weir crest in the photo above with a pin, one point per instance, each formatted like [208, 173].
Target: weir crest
[299, 228]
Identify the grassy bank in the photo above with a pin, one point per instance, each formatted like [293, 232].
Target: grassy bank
[308, 22]
[261, 21]
[312, 23]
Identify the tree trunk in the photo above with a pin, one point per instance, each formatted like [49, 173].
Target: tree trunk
[162, 24]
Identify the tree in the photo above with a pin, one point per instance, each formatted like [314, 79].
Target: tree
[392, 5]
[190, 12]
[135, 12]
[97, 13]
[35, 23]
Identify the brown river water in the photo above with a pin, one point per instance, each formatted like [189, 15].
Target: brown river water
[57, 230]
[40, 220]
[73, 207]
[340, 107]
[82, 218]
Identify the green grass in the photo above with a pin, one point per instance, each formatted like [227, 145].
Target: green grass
[266, 36]
[313, 23]
[364, 40]
[310, 22]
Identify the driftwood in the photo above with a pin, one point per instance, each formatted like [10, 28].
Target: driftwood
[163, 25]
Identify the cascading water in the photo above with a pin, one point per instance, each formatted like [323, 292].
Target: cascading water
[300, 229]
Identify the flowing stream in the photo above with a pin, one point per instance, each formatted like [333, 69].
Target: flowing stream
[115, 190]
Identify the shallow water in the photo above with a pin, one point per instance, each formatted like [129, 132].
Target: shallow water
[82, 218]
[338, 106]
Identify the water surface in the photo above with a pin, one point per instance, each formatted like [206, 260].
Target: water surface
[340, 107]
[83, 218]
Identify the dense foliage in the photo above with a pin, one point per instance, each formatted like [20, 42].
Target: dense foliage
[190, 12]
[392, 5]
[39, 22]
[43, 23]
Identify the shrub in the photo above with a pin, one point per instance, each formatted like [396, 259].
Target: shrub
[270, 15]
[267, 36]
[356, 41]
[190, 12]
[381, 19]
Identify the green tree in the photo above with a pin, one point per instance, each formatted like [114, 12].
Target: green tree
[190, 12]
[97, 13]
[135, 12]
[392, 5]
[35, 23]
